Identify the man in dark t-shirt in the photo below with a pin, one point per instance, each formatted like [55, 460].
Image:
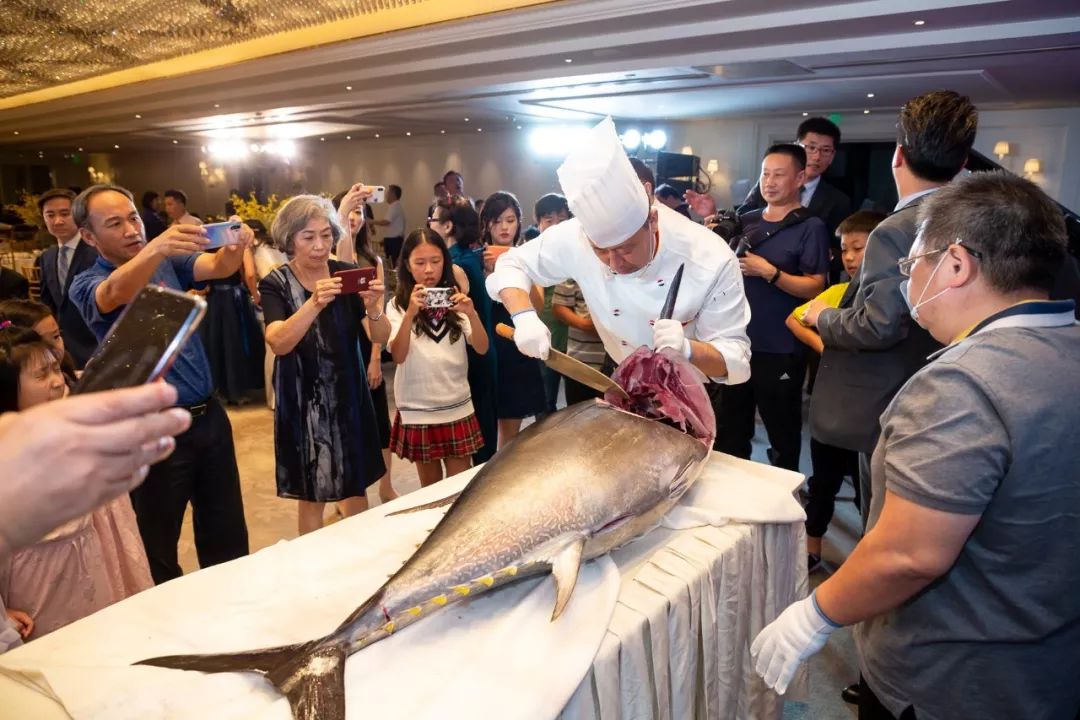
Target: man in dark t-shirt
[785, 265]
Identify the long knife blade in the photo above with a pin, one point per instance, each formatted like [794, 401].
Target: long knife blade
[570, 367]
[672, 295]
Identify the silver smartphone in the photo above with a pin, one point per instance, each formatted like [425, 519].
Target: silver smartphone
[378, 193]
[222, 234]
[144, 341]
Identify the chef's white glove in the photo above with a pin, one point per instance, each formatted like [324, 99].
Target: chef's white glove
[531, 335]
[781, 647]
[670, 334]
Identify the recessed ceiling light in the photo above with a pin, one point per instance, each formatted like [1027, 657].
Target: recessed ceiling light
[865, 112]
[920, 23]
[322, 139]
[518, 127]
[349, 137]
[442, 132]
[569, 60]
[138, 116]
[117, 147]
[408, 134]
[216, 105]
[175, 142]
[805, 114]
[16, 132]
[869, 95]
[376, 134]
[479, 129]
[80, 149]
[348, 87]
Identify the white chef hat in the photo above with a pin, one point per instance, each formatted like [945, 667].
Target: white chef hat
[602, 189]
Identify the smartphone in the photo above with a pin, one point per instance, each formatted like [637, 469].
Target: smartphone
[378, 193]
[742, 246]
[144, 341]
[222, 234]
[356, 279]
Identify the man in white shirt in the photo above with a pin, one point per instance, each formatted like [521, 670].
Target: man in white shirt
[623, 252]
[394, 224]
[176, 209]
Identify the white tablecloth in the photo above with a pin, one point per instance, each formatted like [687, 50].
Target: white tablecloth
[676, 644]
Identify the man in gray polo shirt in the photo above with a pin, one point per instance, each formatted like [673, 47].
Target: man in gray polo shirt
[965, 585]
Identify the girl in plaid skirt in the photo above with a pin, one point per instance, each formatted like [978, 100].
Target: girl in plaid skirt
[435, 424]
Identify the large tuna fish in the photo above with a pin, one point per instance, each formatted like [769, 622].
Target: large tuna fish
[571, 487]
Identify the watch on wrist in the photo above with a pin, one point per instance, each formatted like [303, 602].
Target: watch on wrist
[775, 277]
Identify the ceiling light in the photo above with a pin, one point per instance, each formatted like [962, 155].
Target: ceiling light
[920, 23]
[138, 116]
[376, 134]
[322, 139]
[518, 127]
[655, 139]
[116, 147]
[349, 137]
[175, 142]
[408, 134]
[216, 105]
[865, 112]
[569, 60]
[80, 149]
[479, 129]
[348, 87]
[16, 132]
[869, 95]
[442, 132]
[805, 114]
[631, 139]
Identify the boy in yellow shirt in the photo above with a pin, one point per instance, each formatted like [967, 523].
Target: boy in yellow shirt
[831, 463]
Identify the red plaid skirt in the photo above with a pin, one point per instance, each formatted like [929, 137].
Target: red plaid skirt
[425, 443]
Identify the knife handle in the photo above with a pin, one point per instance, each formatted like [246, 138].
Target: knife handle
[504, 330]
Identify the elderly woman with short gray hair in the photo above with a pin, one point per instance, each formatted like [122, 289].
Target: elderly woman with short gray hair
[326, 441]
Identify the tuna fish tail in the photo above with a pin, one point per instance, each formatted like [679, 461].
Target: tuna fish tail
[311, 675]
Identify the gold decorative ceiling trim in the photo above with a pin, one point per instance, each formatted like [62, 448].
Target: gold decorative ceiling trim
[370, 18]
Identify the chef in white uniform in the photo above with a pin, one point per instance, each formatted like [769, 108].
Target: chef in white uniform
[623, 253]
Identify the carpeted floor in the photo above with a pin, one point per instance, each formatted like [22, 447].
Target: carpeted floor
[271, 519]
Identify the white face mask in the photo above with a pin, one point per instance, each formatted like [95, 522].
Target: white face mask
[913, 310]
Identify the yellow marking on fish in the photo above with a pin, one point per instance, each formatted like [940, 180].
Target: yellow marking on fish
[462, 590]
[439, 599]
[486, 580]
[389, 627]
[511, 571]
[414, 611]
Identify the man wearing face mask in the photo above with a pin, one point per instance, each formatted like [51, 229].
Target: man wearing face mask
[871, 345]
[964, 586]
[623, 252]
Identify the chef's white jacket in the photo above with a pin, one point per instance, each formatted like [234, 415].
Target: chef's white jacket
[711, 304]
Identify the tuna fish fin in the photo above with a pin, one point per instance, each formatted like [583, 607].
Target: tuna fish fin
[565, 567]
[311, 675]
[449, 499]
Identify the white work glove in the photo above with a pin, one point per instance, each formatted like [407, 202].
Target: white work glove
[531, 335]
[670, 334]
[781, 647]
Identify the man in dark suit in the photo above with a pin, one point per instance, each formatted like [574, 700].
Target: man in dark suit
[58, 266]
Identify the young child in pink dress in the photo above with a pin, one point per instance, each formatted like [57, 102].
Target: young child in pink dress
[83, 565]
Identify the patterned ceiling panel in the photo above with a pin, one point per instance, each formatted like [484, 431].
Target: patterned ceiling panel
[50, 42]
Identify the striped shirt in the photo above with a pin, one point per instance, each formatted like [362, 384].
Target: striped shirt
[581, 345]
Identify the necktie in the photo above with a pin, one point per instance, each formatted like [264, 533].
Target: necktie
[62, 265]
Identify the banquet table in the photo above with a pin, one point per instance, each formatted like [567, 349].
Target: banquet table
[689, 603]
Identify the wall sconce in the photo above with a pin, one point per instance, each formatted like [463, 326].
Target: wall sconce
[1032, 166]
[712, 167]
[1001, 149]
[687, 150]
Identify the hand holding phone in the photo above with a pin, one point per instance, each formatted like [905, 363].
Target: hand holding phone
[356, 279]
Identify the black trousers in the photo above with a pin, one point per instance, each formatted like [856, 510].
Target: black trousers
[202, 470]
[831, 464]
[870, 708]
[393, 249]
[775, 391]
[578, 392]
